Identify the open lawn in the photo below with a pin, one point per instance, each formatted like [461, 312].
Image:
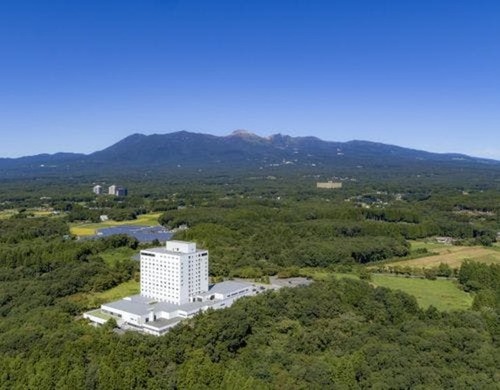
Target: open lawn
[90, 229]
[100, 314]
[123, 290]
[321, 274]
[111, 256]
[4, 214]
[345, 275]
[431, 246]
[316, 273]
[442, 294]
[451, 255]
[42, 213]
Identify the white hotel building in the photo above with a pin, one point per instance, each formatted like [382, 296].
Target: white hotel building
[174, 286]
[175, 274]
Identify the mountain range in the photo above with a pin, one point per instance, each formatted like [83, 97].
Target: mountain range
[240, 149]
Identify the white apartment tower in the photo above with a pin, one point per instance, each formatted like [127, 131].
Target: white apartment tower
[97, 189]
[175, 273]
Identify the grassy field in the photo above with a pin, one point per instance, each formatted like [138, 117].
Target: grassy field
[344, 275]
[111, 256]
[96, 299]
[442, 294]
[451, 255]
[42, 213]
[90, 229]
[4, 214]
[321, 274]
[122, 290]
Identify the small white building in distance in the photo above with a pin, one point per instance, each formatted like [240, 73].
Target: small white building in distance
[174, 286]
[97, 189]
[329, 185]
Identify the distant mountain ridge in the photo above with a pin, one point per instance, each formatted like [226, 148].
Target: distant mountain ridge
[239, 149]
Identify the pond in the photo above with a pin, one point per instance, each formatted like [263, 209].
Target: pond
[142, 233]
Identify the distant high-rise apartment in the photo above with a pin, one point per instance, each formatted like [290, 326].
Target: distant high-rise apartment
[117, 190]
[97, 189]
[121, 191]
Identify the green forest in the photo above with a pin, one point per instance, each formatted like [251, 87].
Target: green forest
[337, 332]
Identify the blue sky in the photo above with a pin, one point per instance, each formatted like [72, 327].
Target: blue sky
[78, 76]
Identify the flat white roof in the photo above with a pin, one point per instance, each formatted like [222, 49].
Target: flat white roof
[161, 323]
[226, 287]
[162, 250]
[135, 307]
[141, 305]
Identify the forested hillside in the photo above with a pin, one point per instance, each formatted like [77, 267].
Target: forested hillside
[253, 237]
[340, 333]
[335, 333]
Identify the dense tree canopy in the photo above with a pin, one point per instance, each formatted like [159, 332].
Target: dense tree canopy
[332, 334]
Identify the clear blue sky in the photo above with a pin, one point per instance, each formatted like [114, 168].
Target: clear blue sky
[80, 75]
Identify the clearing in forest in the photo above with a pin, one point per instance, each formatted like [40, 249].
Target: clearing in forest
[90, 229]
[443, 294]
[451, 255]
[4, 214]
[93, 299]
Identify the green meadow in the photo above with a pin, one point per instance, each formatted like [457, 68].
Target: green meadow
[441, 293]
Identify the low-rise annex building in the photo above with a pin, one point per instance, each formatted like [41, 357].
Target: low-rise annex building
[329, 185]
[174, 286]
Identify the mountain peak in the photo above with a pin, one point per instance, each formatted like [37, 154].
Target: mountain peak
[239, 149]
[241, 133]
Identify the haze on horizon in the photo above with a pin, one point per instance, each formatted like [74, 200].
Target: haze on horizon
[79, 76]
